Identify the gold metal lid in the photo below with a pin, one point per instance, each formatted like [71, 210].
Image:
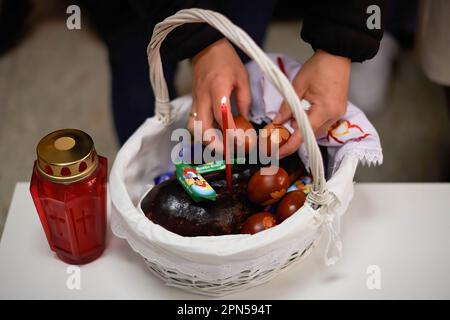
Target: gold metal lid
[66, 155]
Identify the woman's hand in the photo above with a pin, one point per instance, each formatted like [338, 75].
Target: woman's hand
[323, 81]
[217, 72]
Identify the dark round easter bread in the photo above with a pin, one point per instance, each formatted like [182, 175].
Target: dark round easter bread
[168, 205]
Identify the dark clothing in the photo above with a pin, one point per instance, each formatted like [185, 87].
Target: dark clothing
[13, 17]
[132, 96]
[187, 40]
[126, 28]
[340, 27]
[336, 26]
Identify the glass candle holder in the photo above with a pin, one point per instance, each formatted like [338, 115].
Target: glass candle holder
[68, 187]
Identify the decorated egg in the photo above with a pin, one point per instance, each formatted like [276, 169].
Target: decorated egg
[259, 222]
[290, 203]
[265, 189]
[249, 137]
[277, 134]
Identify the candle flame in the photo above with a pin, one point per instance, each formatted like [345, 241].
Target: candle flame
[224, 100]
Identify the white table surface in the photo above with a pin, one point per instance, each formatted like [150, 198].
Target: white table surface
[404, 229]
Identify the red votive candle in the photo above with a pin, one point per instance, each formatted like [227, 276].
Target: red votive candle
[68, 187]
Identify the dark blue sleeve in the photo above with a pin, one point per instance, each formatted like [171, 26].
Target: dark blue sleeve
[340, 27]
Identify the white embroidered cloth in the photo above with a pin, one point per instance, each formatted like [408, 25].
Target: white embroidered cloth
[353, 134]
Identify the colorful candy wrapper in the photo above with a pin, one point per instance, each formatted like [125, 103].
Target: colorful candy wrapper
[192, 181]
[216, 165]
[194, 184]
[210, 167]
[304, 184]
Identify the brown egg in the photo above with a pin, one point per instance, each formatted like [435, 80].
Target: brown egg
[267, 189]
[277, 134]
[242, 123]
[259, 222]
[290, 203]
[250, 134]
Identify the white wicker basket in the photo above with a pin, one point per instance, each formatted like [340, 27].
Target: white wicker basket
[223, 264]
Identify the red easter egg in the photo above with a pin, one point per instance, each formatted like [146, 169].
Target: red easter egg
[266, 189]
[290, 203]
[259, 222]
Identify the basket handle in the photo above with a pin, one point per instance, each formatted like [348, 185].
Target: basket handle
[236, 35]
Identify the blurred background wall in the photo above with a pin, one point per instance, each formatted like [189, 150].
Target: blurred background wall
[52, 77]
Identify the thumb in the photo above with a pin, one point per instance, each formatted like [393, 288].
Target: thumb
[285, 113]
[292, 145]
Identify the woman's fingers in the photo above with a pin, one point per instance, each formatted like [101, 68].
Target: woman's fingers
[291, 145]
[218, 91]
[294, 124]
[317, 116]
[320, 123]
[202, 107]
[324, 128]
[283, 115]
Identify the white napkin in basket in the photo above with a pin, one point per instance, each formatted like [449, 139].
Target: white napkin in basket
[352, 135]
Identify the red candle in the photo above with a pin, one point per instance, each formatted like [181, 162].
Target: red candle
[68, 187]
[223, 107]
